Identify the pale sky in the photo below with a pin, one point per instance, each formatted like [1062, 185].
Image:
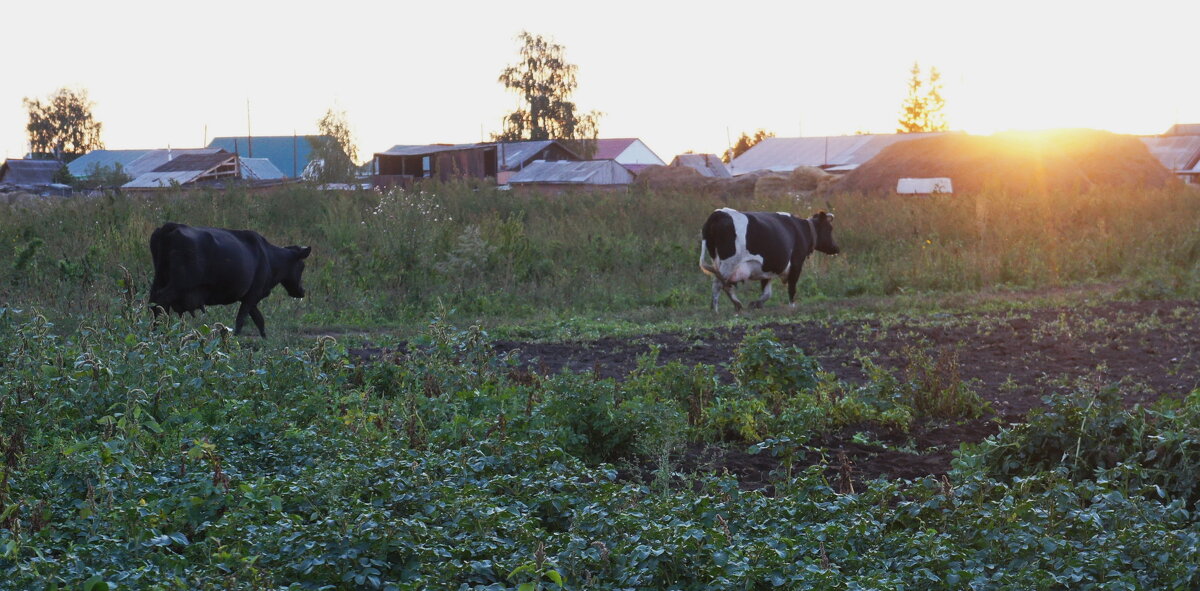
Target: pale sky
[679, 75]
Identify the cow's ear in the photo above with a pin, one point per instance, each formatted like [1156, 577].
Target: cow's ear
[304, 251]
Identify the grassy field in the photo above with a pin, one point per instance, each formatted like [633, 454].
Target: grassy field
[136, 455]
[480, 255]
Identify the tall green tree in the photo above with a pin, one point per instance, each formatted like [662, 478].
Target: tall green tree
[334, 148]
[744, 143]
[922, 107]
[63, 127]
[545, 81]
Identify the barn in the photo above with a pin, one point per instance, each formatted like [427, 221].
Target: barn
[632, 153]
[189, 169]
[29, 172]
[288, 153]
[1178, 150]
[402, 164]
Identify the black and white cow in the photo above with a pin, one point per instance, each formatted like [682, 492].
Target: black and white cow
[758, 245]
[196, 267]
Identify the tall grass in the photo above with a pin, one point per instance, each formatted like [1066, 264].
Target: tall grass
[390, 258]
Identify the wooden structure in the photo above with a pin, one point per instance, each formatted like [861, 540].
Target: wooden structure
[401, 165]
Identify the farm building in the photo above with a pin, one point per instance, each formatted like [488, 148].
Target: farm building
[1178, 150]
[564, 174]
[402, 164]
[289, 153]
[260, 169]
[515, 156]
[29, 172]
[833, 153]
[708, 165]
[631, 153]
[189, 169]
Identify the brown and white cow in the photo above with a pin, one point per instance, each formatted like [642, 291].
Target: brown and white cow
[737, 246]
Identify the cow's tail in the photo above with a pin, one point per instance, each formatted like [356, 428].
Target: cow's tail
[711, 266]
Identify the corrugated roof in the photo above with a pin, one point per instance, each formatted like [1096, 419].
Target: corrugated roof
[1175, 152]
[158, 180]
[709, 165]
[289, 153]
[200, 162]
[588, 172]
[515, 154]
[80, 166]
[260, 169]
[786, 154]
[29, 172]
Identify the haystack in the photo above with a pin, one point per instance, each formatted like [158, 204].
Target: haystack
[1066, 160]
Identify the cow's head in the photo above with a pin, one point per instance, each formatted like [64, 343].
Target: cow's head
[823, 223]
[295, 268]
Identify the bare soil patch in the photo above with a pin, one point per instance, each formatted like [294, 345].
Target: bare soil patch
[1013, 359]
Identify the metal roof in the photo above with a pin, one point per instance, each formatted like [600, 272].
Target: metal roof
[260, 169]
[158, 180]
[587, 172]
[29, 172]
[610, 148]
[517, 153]
[779, 154]
[153, 159]
[1184, 129]
[289, 153]
[200, 162]
[1175, 152]
[81, 166]
[425, 150]
[709, 165]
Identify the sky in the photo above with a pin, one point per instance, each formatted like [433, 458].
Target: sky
[679, 75]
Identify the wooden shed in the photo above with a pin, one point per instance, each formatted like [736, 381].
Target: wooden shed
[401, 165]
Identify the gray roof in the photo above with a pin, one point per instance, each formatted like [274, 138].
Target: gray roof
[158, 180]
[29, 172]
[427, 149]
[517, 153]
[200, 162]
[1175, 152]
[785, 154]
[289, 153]
[709, 165]
[80, 166]
[260, 169]
[588, 172]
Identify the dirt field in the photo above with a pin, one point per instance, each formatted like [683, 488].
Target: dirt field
[1012, 359]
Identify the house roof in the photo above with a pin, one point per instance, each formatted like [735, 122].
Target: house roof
[200, 162]
[571, 172]
[153, 159]
[29, 172]
[260, 169]
[427, 149]
[709, 165]
[515, 154]
[1175, 152]
[1184, 129]
[289, 153]
[158, 180]
[610, 148]
[81, 166]
[785, 154]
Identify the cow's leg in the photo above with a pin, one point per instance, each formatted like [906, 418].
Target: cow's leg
[243, 312]
[737, 304]
[258, 320]
[791, 282]
[716, 294]
[766, 294]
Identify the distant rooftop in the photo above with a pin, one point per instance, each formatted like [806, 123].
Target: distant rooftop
[289, 153]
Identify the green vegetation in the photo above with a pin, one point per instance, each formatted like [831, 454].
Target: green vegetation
[388, 260]
[143, 454]
[166, 457]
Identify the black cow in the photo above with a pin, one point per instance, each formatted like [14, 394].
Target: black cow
[760, 245]
[196, 267]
